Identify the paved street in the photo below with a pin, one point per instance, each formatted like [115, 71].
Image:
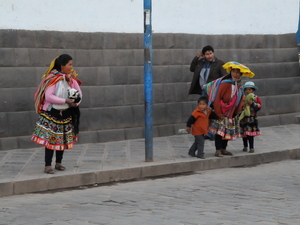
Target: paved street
[267, 194]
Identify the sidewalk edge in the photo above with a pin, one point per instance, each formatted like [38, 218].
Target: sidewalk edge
[136, 173]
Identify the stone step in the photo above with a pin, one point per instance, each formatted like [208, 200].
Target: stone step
[69, 40]
[277, 86]
[279, 119]
[21, 99]
[131, 75]
[191, 41]
[280, 104]
[265, 55]
[97, 40]
[25, 57]
[274, 70]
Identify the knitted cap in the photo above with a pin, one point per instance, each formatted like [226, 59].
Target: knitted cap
[250, 84]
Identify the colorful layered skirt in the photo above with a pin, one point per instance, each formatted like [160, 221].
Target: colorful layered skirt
[249, 126]
[229, 129]
[54, 130]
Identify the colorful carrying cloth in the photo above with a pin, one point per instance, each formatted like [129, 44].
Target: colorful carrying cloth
[39, 95]
[211, 89]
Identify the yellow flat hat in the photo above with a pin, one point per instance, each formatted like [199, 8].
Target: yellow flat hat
[235, 65]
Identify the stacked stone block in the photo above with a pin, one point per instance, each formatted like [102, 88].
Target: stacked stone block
[110, 65]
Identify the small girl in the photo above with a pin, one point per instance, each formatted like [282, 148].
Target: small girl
[248, 118]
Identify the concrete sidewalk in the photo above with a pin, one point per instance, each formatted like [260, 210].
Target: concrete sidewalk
[21, 171]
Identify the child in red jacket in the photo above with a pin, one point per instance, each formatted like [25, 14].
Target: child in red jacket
[199, 120]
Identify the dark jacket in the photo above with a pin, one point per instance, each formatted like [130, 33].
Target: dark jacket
[216, 71]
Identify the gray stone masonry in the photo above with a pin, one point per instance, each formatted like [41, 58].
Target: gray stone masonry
[110, 65]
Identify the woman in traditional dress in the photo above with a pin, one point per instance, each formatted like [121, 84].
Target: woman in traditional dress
[226, 97]
[57, 126]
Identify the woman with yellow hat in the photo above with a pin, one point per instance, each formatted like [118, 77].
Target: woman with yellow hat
[57, 126]
[227, 104]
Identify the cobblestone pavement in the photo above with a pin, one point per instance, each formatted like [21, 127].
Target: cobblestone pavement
[267, 194]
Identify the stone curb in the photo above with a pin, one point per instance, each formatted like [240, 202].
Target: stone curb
[136, 173]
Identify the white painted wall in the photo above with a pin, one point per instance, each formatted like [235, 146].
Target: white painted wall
[168, 16]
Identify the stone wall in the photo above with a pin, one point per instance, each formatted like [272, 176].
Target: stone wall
[110, 65]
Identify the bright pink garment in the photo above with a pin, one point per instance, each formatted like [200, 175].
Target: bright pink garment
[228, 108]
[51, 98]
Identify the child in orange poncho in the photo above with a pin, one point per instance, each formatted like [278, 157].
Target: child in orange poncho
[199, 119]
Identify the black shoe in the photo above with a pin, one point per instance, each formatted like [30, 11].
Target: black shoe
[200, 157]
[191, 154]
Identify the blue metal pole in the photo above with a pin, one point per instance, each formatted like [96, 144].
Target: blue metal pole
[148, 80]
[298, 36]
